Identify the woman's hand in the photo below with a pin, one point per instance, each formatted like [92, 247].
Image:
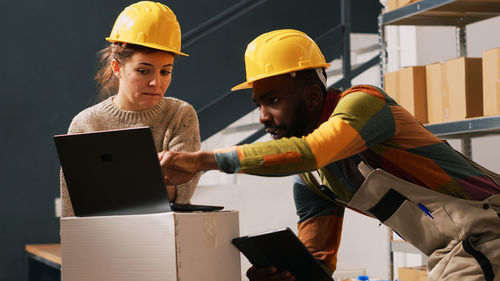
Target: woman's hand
[268, 274]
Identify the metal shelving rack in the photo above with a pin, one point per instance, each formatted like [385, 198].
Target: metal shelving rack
[458, 13]
[467, 129]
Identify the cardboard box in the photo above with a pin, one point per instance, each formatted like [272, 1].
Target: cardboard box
[491, 82]
[402, 3]
[392, 4]
[435, 100]
[408, 87]
[418, 273]
[395, 4]
[454, 90]
[164, 246]
[391, 84]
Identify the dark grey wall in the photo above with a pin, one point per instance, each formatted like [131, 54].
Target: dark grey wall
[48, 60]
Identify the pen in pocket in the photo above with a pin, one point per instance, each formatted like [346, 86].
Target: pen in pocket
[426, 211]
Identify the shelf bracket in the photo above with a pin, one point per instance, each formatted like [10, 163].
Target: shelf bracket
[466, 146]
[461, 36]
[382, 50]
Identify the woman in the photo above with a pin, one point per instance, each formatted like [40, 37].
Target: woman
[136, 71]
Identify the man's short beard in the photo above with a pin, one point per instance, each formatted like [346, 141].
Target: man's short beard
[300, 122]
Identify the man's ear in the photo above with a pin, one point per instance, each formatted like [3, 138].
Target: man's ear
[315, 96]
[116, 68]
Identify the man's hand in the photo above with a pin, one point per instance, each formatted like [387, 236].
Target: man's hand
[178, 167]
[268, 274]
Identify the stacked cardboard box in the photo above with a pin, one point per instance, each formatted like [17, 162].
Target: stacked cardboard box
[454, 90]
[491, 82]
[408, 88]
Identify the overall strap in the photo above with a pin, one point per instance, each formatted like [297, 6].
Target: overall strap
[319, 189]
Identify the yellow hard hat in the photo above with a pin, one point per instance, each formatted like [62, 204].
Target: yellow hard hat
[279, 52]
[148, 24]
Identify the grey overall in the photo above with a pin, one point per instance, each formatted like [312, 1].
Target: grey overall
[461, 237]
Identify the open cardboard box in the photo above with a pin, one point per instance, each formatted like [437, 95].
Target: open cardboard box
[162, 246]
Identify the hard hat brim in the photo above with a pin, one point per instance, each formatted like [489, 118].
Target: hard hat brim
[149, 45]
[244, 85]
[249, 83]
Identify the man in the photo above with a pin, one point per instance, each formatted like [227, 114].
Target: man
[357, 149]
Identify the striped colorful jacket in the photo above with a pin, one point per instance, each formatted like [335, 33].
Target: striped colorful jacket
[362, 123]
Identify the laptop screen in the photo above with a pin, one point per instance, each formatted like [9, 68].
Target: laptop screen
[113, 172]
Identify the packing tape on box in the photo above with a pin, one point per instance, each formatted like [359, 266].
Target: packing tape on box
[445, 92]
[210, 230]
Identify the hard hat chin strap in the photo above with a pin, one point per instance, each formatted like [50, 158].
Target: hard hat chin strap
[319, 71]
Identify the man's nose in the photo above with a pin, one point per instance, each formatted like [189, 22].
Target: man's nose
[264, 116]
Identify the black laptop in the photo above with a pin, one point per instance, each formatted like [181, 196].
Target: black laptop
[116, 172]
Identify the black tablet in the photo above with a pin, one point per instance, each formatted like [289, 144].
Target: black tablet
[282, 249]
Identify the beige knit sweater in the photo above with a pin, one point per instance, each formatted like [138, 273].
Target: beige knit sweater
[174, 124]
